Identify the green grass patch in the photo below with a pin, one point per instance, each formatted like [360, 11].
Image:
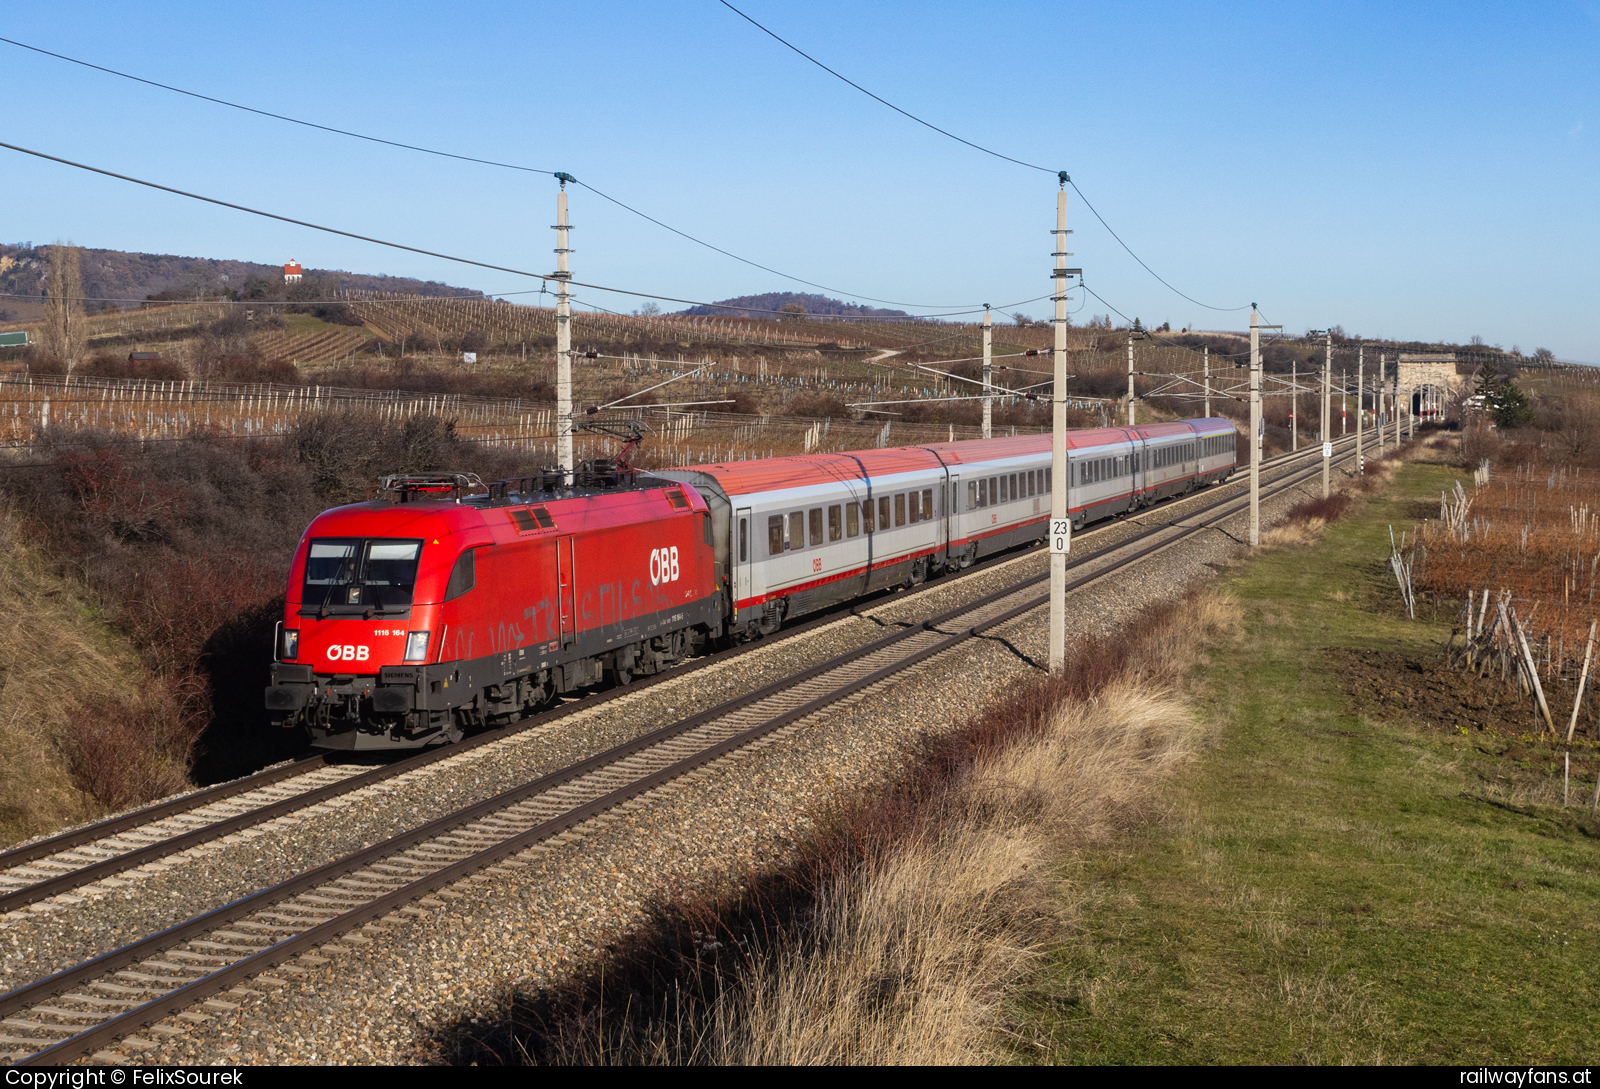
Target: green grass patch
[1331, 887]
[300, 324]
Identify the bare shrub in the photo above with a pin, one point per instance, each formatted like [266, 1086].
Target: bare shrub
[105, 364]
[1321, 511]
[123, 751]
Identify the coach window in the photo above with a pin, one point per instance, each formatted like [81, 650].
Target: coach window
[1031, 489]
[835, 523]
[916, 509]
[884, 517]
[852, 520]
[744, 539]
[816, 526]
[774, 534]
[867, 522]
[927, 503]
[797, 529]
[900, 509]
[972, 495]
[994, 490]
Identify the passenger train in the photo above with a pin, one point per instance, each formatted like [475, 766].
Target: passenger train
[431, 611]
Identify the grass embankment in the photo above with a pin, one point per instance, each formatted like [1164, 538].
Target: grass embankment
[54, 648]
[1334, 885]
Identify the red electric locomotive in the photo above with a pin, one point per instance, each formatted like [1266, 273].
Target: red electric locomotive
[428, 610]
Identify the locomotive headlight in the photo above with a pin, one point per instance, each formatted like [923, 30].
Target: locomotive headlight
[291, 644]
[417, 646]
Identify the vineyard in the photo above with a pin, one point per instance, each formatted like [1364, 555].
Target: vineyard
[721, 387]
[1530, 531]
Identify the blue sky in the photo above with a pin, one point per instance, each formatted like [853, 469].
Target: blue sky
[1422, 170]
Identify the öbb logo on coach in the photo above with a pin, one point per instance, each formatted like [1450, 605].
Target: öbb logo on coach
[663, 565]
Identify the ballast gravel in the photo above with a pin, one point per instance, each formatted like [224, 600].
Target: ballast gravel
[392, 991]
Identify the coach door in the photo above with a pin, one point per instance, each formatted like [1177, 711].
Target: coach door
[566, 579]
[952, 501]
[743, 552]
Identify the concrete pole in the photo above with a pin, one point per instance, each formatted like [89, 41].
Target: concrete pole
[1206, 363]
[1294, 406]
[1377, 404]
[1130, 375]
[1060, 520]
[988, 373]
[564, 452]
[1344, 406]
[1361, 363]
[1255, 426]
[1327, 408]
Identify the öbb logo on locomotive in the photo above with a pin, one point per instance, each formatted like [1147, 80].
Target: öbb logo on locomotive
[444, 605]
[663, 565]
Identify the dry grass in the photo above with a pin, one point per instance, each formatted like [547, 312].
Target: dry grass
[51, 650]
[897, 938]
[908, 962]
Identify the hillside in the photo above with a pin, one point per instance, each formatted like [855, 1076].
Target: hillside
[115, 274]
[773, 301]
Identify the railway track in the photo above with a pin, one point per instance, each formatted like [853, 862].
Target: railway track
[55, 867]
[110, 997]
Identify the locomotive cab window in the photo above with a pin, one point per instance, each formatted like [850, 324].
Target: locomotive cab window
[355, 575]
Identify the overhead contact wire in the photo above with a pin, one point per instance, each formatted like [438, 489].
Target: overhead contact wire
[976, 147]
[462, 158]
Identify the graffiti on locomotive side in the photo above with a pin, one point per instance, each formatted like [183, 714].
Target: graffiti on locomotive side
[663, 565]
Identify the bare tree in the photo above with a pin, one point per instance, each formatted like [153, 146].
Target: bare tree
[66, 330]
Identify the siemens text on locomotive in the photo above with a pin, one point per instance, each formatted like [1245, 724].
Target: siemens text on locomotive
[429, 611]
